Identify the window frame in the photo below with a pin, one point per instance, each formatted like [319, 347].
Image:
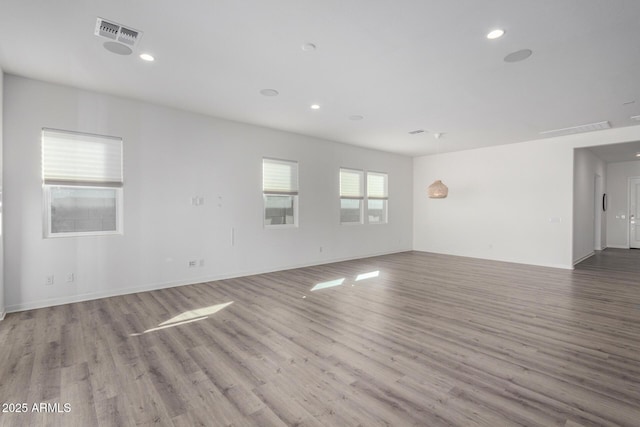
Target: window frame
[48, 217]
[384, 198]
[360, 198]
[78, 183]
[293, 193]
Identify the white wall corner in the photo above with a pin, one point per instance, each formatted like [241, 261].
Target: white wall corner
[578, 261]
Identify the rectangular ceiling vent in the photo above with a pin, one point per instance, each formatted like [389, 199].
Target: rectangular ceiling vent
[415, 132]
[113, 31]
[577, 129]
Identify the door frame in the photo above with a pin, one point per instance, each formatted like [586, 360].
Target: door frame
[629, 179]
[597, 217]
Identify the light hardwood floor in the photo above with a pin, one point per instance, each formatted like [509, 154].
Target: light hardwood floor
[433, 340]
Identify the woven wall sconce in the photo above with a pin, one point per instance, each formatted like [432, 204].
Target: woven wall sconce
[437, 190]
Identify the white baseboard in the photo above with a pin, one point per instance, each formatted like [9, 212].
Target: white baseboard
[2, 314]
[617, 247]
[578, 261]
[162, 285]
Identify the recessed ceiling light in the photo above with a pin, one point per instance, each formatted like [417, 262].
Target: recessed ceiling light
[519, 55]
[635, 117]
[495, 34]
[269, 92]
[308, 47]
[637, 154]
[147, 57]
[315, 106]
[356, 117]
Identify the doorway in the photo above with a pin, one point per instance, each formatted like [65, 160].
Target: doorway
[597, 217]
[634, 212]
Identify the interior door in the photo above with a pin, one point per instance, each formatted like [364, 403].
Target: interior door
[634, 213]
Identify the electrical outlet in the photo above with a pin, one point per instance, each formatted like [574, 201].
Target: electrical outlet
[193, 263]
[71, 277]
[49, 281]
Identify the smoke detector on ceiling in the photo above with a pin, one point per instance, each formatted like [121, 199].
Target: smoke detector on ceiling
[121, 39]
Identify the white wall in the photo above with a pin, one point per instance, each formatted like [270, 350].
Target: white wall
[586, 167]
[500, 203]
[2, 311]
[169, 157]
[618, 175]
[512, 202]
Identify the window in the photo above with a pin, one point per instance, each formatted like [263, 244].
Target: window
[280, 192]
[377, 197]
[82, 183]
[351, 196]
[354, 207]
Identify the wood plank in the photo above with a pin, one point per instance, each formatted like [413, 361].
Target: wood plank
[431, 340]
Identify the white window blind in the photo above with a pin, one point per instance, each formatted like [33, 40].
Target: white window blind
[377, 185]
[351, 184]
[74, 158]
[279, 177]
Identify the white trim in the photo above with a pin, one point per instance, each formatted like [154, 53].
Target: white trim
[386, 212]
[48, 234]
[162, 285]
[618, 246]
[598, 199]
[280, 226]
[362, 207]
[629, 179]
[578, 261]
[2, 314]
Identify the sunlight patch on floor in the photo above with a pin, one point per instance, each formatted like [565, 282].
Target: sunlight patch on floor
[199, 312]
[187, 317]
[369, 275]
[329, 284]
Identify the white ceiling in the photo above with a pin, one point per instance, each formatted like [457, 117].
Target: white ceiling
[403, 64]
[617, 152]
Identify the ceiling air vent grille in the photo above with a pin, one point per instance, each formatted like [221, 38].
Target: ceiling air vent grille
[113, 31]
[577, 129]
[415, 132]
